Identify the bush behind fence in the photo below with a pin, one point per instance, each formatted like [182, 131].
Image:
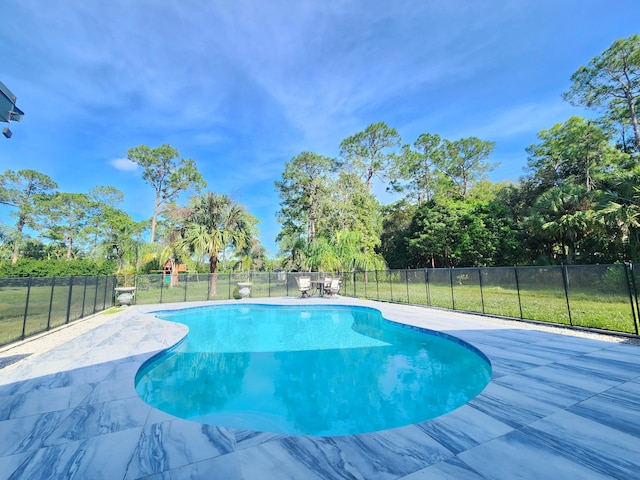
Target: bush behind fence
[589, 296]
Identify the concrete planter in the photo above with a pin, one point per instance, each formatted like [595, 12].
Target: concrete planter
[124, 295]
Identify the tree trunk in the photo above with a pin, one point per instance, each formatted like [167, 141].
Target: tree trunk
[18, 241]
[154, 221]
[69, 247]
[213, 277]
[634, 122]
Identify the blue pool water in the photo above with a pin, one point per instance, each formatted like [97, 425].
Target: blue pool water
[312, 370]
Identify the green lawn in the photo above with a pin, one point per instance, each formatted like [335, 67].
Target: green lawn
[590, 306]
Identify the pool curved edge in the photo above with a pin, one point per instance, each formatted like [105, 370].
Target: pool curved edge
[151, 361]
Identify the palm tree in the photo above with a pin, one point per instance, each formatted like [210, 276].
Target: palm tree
[214, 223]
[566, 216]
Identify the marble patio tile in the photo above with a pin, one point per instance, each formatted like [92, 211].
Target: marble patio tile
[248, 438]
[520, 456]
[28, 433]
[623, 356]
[158, 416]
[629, 392]
[566, 377]
[392, 452]
[109, 391]
[599, 446]
[464, 428]
[10, 463]
[308, 458]
[452, 468]
[42, 401]
[98, 419]
[556, 394]
[509, 406]
[178, 443]
[382, 455]
[97, 458]
[224, 467]
[602, 368]
[512, 361]
[612, 410]
[124, 370]
[77, 376]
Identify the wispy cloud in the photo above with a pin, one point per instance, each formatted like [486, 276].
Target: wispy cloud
[124, 164]
[243, 86]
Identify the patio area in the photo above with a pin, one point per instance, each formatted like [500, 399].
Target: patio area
[558, 406]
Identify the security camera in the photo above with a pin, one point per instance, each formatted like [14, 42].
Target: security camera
[6, 132]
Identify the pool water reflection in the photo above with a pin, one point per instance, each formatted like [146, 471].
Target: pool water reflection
[312, 370]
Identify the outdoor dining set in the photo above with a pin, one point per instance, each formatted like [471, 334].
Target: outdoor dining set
[326, 287]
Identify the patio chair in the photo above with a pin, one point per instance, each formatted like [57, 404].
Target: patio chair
[334, 288]
[304, 285]
[326, 285]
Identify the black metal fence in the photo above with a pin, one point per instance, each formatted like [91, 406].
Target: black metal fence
[602, 297]
[32, 305]
[590, 296]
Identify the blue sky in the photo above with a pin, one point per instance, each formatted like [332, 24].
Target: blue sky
[241, 87]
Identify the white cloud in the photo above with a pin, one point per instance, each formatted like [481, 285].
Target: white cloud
[124, 164]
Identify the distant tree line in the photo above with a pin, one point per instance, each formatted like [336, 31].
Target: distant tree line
[63, 233]
[577, 202]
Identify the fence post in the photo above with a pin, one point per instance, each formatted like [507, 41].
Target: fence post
[95, 294]
[186, 282]
[481, 293]
[406, 280]
[53, 283]
[229, 298]
[106, 285]
[69, 298]
[628, 272]
[365, 281]
[377, 287]
[26, 308]
[453, 300]
[390, 285]
[84, 296]
[515, 269]
[428, 286]
[563, 269]
[162, 285]
[354, 285]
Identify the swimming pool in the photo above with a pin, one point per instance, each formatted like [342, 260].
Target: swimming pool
[311, 370]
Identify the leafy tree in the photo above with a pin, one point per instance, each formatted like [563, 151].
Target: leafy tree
[415, 172]
[464, 163]
[214, 223]
[20, 190]
[167, 174]
[619, 211]
[577, 150]
[66, 216]
[303, 188]
[611, 80]
[353, 208]
[396, 219]
[453, 233]
[365, 152]
[565, 216]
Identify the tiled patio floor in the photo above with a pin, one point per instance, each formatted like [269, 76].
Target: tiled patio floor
[557, 407]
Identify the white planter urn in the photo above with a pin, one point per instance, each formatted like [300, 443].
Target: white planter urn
[124, 295]
[244, 289]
